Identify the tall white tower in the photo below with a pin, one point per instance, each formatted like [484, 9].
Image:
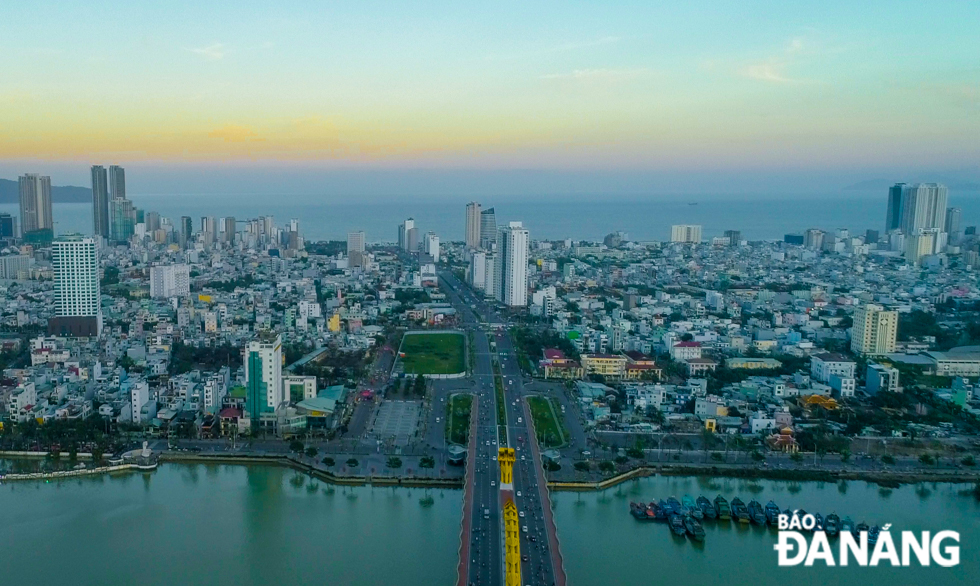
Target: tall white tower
[510, 269]
[77, 294]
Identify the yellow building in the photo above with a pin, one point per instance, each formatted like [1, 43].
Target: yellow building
[608, 365]
[334, 323]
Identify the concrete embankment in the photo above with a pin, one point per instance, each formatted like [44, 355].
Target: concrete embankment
[63, 474]
[320, 473]
[883, 477]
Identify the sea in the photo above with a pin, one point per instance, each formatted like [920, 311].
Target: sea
[763, 217]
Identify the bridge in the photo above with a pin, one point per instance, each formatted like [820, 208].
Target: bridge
[508, 532]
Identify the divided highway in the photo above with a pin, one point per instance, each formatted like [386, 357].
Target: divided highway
[541, 559]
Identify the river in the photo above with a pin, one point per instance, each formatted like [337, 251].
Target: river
[602, 544]
[212, 525]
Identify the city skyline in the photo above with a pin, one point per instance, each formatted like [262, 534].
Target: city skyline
[702, 98]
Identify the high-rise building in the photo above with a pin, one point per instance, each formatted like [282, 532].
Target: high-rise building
[918, 208]
[431, 245]
[230, 229]
[8, 226]
[871, 237]
[813, 239]
[209, 229]
[355, 248]
[473, 224]
[510, 278]
[35, 205]
[170, 281]
[734, 237]
[117, 182]
[152, 221]
[412, 240]
[77, 297]
[488, 229]
[100, 201]
[686, 233]
[186, 230]
[122, 224]
[403, 230]
[874, 330]
[490, 274]
[919, 245]
[953, 216]
[478, 270]
[263, 375]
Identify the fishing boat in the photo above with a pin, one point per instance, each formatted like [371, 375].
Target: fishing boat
[673, 506]
[676, 524]
[690, 508]
[724, 511]
[756, 514]
[862, 527]
[799, 514]
[818, 522]
[658, 512]
[873, 535]
[707, 509]
[772, 513]
[694, 528]
[847, 525]
[832, 525]
[638, 510]
[739, 512]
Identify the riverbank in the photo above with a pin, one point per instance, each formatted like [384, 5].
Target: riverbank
[314, 470]
[886, 478]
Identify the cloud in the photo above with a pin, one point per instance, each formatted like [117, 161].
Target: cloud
[235, 133]
[603, 74]
[212, 52]
[772, 70]
[583, 44]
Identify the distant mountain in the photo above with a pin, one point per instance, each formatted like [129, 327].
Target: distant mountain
[10, 193]
[883, 184]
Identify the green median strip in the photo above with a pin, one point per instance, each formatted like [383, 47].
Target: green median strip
[548, 426]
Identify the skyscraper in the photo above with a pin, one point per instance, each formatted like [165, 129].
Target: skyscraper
[473, 224]
[35, 205]
[100, 201]
[77, 295]
[431, 245]
[510, 268]
[874, 330]
[186, 230]
[488, 229]
[734, 237]
[686, 233]
[953, 216]
[403, 230]
[117, 182]
[122, 220]
[209, 229]
[230, 228]
[355, 248]
[8, 226]
[263, 376]
[918, 208]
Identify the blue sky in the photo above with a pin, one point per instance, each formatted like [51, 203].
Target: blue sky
[630, 96]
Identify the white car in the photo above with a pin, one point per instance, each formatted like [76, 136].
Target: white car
[524, 529]
[493, 483]
[518, 493]
[521, 514]
[519, 420]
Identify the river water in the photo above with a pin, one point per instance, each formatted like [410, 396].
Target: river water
[213, 525]
[602, 544]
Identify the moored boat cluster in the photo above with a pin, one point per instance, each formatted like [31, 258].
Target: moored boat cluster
[684, 517]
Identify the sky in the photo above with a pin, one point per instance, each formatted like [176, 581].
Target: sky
[462, 97]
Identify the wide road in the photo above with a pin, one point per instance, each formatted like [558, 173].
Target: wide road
[541, 560]
[485, 566]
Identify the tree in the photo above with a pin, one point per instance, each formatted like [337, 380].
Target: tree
[352, 463]
[582, 466]
[888, 459]
[606, 466]
[969, 461]
[427, 462]
[394, 462]
[328, 462]
[757, 456]
[296, 446]
[420, 385]
[312, 451]
[796, 457]
[845, 456]
[927, 459]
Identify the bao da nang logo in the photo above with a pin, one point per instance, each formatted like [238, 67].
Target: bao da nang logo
[793, 548]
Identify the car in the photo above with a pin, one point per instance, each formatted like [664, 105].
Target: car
[521, 514]
[488, 442]
[525, 557]
[493, 483]
[518, 493]
[524, 529]
[522, 458]
[519, 419]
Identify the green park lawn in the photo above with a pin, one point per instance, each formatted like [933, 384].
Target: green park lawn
[433, 353]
